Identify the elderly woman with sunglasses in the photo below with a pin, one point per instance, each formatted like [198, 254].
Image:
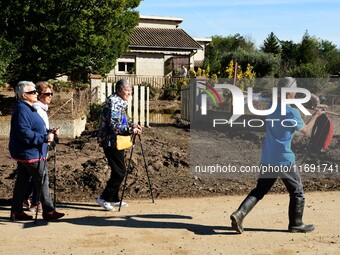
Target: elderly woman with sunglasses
[28, 146]
[45, 93]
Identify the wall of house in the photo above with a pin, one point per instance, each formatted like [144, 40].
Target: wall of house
[127, 58]
[199, 55]
[150, 64]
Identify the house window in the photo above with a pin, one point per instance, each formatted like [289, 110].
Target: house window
[126, 67]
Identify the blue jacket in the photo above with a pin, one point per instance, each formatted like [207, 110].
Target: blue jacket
[277, 149]
[28, 135]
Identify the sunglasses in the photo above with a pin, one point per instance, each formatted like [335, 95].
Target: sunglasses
[31, 92]
[47, 94]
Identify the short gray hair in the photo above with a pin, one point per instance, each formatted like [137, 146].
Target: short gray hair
[121, 84]
[20, 88]
[286, 82]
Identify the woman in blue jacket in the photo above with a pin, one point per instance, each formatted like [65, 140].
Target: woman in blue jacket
[28, 146]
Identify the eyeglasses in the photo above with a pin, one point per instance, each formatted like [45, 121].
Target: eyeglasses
[47, 94]
[31, 92]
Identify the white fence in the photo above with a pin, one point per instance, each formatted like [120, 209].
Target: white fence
[138, 104]
[154, 81]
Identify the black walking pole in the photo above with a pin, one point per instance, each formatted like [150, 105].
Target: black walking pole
[146, 168]
[55, 177]
[41, 184]
[128, 170]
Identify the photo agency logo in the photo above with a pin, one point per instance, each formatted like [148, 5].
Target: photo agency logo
[209, 96]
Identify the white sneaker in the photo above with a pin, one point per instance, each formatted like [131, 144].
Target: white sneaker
[116, 204]
[106, 205]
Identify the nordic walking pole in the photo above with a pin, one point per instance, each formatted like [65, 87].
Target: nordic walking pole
[328, 112]
[55, 177]
[41, 184]
[127, 171]
[146, 169]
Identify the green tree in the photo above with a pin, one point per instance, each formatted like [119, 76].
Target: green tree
[264, 64]
[333, 63]
[289, 56]
[311, 55]
[311, 70]
[66, 37]
[7, 55]
[213, 61]
[327, 47]
[309, 49]
[220, 46]
[331, 56]
[271, 44]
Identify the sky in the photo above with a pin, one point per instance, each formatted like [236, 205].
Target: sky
[253, 19]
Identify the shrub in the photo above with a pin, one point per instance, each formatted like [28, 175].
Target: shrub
[59, 86]
[154, 92]
[264, 64]
[94, 114]
[331, 88]
[170, 92]
[312, 71]
[173, 91]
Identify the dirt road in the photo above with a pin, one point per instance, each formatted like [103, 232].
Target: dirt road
[177, 226]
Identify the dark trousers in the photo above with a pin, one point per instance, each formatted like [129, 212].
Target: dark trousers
[291, 179]
[24, 171]
[116, 162]
[31, 192]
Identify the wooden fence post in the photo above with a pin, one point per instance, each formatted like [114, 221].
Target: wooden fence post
[108, 88]
[147, 106]
[95, 87]
[185, 103]
[135, 104]
[142, 106]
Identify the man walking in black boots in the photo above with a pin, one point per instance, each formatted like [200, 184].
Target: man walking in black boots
[277, 155]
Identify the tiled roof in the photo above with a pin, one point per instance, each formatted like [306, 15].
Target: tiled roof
[176, 38]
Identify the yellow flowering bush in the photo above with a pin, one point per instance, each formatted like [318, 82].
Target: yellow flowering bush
[243, 79]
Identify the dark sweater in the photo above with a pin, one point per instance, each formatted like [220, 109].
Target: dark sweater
[28, 136]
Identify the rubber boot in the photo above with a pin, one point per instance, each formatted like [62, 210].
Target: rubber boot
[238, 216]
[296, 206]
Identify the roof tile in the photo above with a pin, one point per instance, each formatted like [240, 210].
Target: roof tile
[174, 38]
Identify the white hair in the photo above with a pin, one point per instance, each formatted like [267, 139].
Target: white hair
[20, 88]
